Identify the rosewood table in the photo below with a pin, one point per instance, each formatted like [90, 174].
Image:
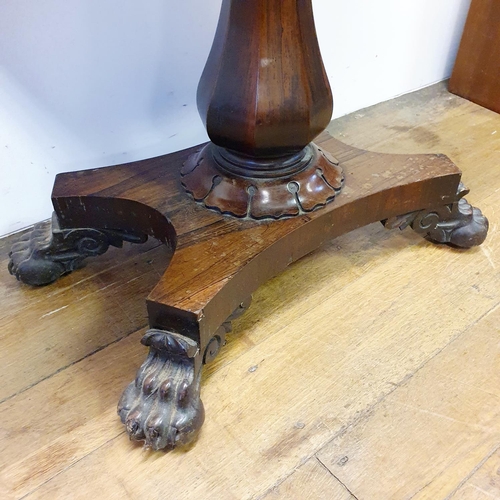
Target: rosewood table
[240, 209]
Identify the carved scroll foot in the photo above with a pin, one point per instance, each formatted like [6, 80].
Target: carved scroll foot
[162, 407]
[459, 224]
[48, 252]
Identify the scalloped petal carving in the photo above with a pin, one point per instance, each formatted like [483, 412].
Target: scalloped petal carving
[309, 189]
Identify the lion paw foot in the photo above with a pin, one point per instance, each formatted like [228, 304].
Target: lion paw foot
[48, 252]
[459, 224]
[162, 407]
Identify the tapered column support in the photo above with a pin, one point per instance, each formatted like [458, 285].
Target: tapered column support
[264, 96]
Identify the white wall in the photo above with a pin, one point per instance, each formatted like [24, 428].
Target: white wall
[87, 83]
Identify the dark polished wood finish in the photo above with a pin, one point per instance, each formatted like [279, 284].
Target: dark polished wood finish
[264, 91]
[216, 260]
[476, 75]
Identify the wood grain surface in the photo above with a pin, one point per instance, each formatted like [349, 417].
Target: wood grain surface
[476, 74]
[224, 260]
[368, 369]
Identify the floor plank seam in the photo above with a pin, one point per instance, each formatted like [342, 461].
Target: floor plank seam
[281, 480]
[70, 466]
[59, 291]
[371, 409]
[472, 472]
[18, 232]
[336, 478]
[426, 485]
[95, 351]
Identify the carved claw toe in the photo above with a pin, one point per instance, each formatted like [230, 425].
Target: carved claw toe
[27, 257]
[135, 428]
[175, 420]
[162, 407]
[474, 229]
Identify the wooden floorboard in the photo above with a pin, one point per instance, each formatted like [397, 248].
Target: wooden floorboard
[434, 431]
[483, 483]
[309, 482]
[369, 369]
